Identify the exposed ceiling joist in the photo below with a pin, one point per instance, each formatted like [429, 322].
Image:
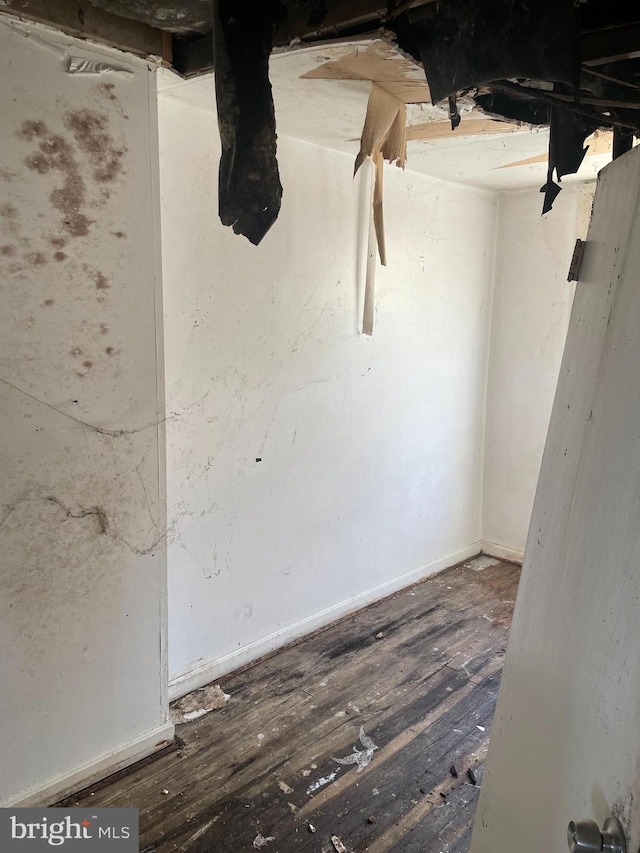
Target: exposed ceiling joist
[611, 44]
[81, 19]
[573, 65]
[432, 130]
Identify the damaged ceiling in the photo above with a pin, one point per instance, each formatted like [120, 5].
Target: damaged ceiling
[567, 67]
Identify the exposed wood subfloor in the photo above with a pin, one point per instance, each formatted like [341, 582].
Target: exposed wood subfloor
[419, 671]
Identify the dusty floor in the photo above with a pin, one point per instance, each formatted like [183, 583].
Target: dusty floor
[348, 738]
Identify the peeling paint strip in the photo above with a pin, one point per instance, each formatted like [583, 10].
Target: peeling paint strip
[70, 64]
[370, 275]
[81, 65]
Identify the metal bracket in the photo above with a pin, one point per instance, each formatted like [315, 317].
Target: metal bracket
[576, 260]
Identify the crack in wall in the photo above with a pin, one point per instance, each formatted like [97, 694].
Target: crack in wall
[96, 511]
[110, 433]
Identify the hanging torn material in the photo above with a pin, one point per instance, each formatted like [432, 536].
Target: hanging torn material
[370, 273]
[249, 188]
[396, 81]
[463, 43]
[384, 137]
[568, 132]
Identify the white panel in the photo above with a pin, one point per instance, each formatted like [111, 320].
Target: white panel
[531, 306]
[565, 741]
[370, 448]
[82, 566]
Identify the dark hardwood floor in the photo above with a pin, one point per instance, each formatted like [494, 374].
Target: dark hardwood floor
[418, 671]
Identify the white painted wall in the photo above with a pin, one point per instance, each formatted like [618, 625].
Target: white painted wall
[531, 306]
[565, 741]
[82, 561]
[371, 449]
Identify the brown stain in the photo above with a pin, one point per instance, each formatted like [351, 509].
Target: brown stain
[36, 259]
[109, 350]
[32, 129]
[104, 329]
[106, 90]
[88, 364]
[119, 234]
[60, 256]
[90, 131]
[68, 199]
[7, 251]
[8, 211]
[99, 278]
[38, 163]
[48, 302]
[55, 153]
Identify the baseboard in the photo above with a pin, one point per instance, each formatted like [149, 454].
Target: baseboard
[208, 671]
[493, 549]
[62, 786]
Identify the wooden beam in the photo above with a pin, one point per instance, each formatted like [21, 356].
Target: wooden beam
[431, 130]
[611, 44]
[79, 18]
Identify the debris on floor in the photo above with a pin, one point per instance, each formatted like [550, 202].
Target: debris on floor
[472, 777]
[338, 845]
[482, 561]
[197, 704]
[361, 757]
[453, 771]
[311, 827]
[286, 789]
[260, 841]
[320, 783]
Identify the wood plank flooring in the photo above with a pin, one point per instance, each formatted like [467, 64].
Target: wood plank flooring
[418, 671]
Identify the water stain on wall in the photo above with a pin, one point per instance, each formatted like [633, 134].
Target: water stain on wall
[9, 215]
[36, 259]
[89, 136]
[55, 153]
[90, 130]
[106, 90]
[99, 279]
